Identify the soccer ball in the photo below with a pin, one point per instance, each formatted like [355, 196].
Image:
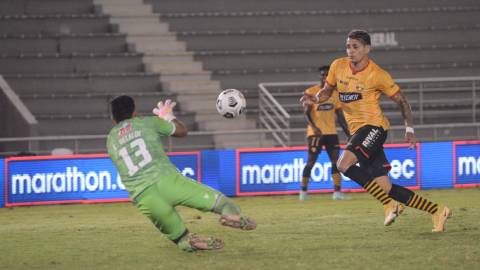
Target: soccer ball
[231, 103]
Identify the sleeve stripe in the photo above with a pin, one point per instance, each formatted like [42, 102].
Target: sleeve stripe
[173, 130]
[395, 93]
[329, 83]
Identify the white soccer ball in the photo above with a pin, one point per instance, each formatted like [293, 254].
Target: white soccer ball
[231, 103]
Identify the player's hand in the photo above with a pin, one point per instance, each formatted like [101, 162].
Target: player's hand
[410, 138]
[308, 99]
[165, 111]
[317, 132]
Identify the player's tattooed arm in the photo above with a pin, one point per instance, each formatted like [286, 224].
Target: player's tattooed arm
[405, 109]
[402, 102]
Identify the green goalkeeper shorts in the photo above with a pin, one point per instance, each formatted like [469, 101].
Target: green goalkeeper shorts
[158, 202]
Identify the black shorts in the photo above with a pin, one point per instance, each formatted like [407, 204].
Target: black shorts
[315, 143]
[367, 145]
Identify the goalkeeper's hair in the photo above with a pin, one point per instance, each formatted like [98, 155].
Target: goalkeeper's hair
[361, 35]
[327, 68]
[122, 108]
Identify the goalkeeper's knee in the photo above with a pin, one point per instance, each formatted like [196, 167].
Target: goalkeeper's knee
[226, 206]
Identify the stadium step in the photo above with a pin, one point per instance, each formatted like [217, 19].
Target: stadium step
[173, 66]
[130, 2]
[150, 57]
[140, 28]
[72, 83]
[198, 105]
[126, 19]
[179, 86]
[183, 96]
[122, 9]
[212, 115]
[241, 136]
[177, 46]
[170, 76]
[151, 37]
[227, 124]
[245, 144]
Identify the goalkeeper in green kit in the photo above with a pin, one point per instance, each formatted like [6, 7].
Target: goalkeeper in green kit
[154, 184]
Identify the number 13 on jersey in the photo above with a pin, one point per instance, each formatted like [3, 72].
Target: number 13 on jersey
[147, 158]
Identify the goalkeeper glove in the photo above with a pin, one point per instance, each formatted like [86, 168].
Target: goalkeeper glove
[165, 111]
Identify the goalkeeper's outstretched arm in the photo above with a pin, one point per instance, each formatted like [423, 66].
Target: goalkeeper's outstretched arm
[180, 129]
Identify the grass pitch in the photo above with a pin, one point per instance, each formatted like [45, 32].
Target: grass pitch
[316, 234]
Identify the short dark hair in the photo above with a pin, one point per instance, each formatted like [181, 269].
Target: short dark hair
[361, 35]
[327, 68]
[122, 108]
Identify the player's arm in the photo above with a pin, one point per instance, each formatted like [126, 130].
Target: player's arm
[322, 96]
[180, 129]
[406, 111]
[306, 112]
[342, 122]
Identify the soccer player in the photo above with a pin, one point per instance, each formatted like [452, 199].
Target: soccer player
[321, 131]
[154, 184]
[360, 82]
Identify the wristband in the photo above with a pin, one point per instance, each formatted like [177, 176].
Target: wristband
[409, 129]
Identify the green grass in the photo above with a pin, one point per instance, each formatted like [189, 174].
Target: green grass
[316, 234]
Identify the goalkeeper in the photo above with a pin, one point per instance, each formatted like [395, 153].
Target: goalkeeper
[154, 184]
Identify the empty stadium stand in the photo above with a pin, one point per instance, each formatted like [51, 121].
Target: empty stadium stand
[66, 59]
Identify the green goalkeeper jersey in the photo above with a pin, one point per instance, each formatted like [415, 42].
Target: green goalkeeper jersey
[136, 150]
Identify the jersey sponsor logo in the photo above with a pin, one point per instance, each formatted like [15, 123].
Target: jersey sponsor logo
[360, 86]
[342, 82]
[325, 107]
[126, 129]
[350, 97]
[371, 138]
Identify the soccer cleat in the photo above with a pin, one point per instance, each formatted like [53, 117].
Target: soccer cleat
[199, 243]
[303, 195]
[440, 217]
[240, 222]
[392, 210]
[337, 195]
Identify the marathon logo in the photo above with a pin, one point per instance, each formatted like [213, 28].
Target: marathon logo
[126, 129]
[325, 107]
[350, 97]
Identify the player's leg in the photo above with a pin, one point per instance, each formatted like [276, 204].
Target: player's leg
[378, 167]
[314, 149]
[153, 204]
[440, 214]
[363, 143]
[199, 196]
[332, 145]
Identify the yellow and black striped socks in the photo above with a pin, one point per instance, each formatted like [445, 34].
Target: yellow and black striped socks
[377, 192]
[305, 181]
[364, 179]
[409, 198]
[422, 204]
[337, 181]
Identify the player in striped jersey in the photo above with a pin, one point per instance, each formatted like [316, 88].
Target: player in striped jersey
[360, 82]
[321, 132]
